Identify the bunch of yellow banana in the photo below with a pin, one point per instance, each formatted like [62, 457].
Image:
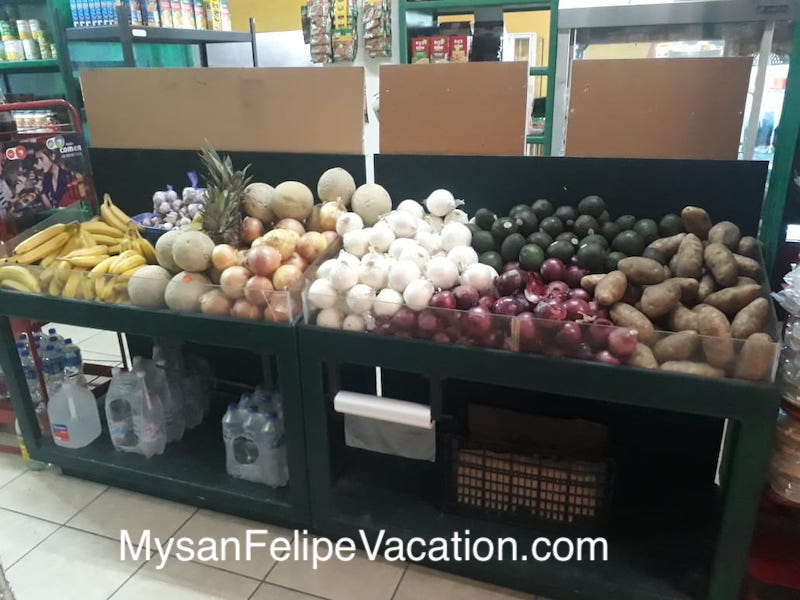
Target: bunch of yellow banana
[19, 279]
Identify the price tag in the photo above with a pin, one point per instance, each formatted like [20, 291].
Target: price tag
[139, 32]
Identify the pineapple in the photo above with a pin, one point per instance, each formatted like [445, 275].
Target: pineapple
[221, 215]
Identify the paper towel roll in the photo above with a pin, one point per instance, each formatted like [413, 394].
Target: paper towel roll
[383, 409]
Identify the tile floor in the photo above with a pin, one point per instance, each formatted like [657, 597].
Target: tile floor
[59, 538]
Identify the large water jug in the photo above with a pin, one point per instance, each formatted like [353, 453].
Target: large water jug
[73, 414]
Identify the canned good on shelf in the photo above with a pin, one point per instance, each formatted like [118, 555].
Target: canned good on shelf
[14, 50]
[31, 50]
[34, 25]
[24, 29]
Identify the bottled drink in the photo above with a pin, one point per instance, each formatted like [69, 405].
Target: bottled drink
[31, 377]
[249, 452]
[53, 369]
[73, 361]
[23, 343]
[119, 414]
[135, 418]
[38, 339]
[232, 431]
[59, 340]
[274, 465]
[74, 418]
[159, 386]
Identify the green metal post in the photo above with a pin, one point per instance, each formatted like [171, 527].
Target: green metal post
[551, 78]
[403, 32]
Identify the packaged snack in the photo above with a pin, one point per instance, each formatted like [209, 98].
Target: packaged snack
[458, 48]
[319, 25]
[177, 14]
[440, 49]
[225, 12]
[344, 36]
[377, 21]
[187, 14]
[165, 13]
[344, 45]
[199, 15]
[420, 50]
[150, 16]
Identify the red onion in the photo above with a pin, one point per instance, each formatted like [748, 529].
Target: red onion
[509, 282]
[569, 336]
[558, 290]
[597, 310]
[597, 333]
[528, 335]
[509, 266]
[492, 340]
[404, 319]
[573, 276]
[534, 299]
[573, 260]
[427, 322]
[453, 332]
[506, 305]
[535, 287]
[466, 297]
[384, 328]
[576, 308]
[465, 341]
[553, 270]
[440, 337]
[580, 294]
[584, 352]
[553, 310]
[478, 322]
[522, 304]
[622, 341]
[444, 299]
[447, 317]
[487, 302]
[604, 356]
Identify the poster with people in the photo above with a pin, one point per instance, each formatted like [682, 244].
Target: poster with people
[40, 174]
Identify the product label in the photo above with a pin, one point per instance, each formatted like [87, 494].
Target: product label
[458, 48]
[60, 432]
[420, 50]
[440, 49]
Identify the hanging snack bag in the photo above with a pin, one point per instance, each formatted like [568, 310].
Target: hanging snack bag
[319, 18]
[377, 28]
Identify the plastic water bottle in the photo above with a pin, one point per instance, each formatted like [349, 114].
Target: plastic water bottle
[73, 361]
[135, 418]
[119, 414]
[23, 343]
[232, 431]
[53, 369]
[169, 395]
[38, 339]
[250, 451]
[58, 341]
[73, 414]
[31, 377]
[275, 467]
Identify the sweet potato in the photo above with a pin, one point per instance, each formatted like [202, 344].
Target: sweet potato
[732, 300]
[717, 343]
[748, 267]
[749, 246]
[755, 358]
[658, 300]
[692, 368]
[667, 246]
[625, 315]
[678, 346]
[682, 319]
[589, 282]
[689, 288]
[643, 357]
[726, 233]
[751, 319]
[690, 258]
[745, 281]
[611, 288]
[719, 260]
[696, 221]
[642, 271]
[706, 287]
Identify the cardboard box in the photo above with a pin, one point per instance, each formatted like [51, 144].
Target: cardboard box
[165, 13]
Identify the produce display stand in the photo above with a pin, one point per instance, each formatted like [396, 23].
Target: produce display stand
[672, 533]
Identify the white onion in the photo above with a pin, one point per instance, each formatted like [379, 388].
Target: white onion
[400, 244]
[479, 276]
[455, 234]
[373, 271]
[417, 254]
[344, 276]
[423, 226]
[435, 223]
[403, 224]
[357, 242]
[348, 222]
[430, 241]
[463, 256]
[402, 273]
[354, 323]
[349, 258]
[360, 298]
[442, 273]
[418, 293]
[330, 317]
[381, 236]
[324, 270]
[440, 202]
[456, 216]
[413, 207]
[387, 302]
[322, 294]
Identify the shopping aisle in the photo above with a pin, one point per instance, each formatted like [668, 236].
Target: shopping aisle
[59, 538]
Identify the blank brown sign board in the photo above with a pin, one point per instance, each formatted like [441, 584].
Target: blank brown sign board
[269, 110]
[657, 108]
[470, 108]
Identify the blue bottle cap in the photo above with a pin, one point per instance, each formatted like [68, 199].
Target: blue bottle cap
[52, 331]
[49, 347]
[25, 354]
[68, 341]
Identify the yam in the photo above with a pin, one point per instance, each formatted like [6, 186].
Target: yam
[658, 300]
[668, 246]
[725, 233]
[678, 346]
[755, 358]
[682, 319]
[706, 287]
[692, 368]
[642, 271]
[611, 288]
[689, 289]
[696, 221]
[717, 343]
[719, 260]
[745, 281]
[589, 282]
[690, 258]
[643, 357]
[751, 319]
[749, 247]
[625, 315]
[748, 267]
[732, 300]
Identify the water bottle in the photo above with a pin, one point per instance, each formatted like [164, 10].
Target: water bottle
[73, 414]
[119, 414]
[275, 468]
[23, 343]
[232, 431]
[31, 377]
[249, 450]
[38, 339]
[73, 361]
[58, 341]
[159, 386]
[135, 417]
[53, 369]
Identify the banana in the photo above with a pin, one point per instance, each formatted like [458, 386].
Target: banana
[72, 286]
[127, 263]
[21, 276]
[120, 214]
[73, 243]
[148, 251]
[47, 261]
[51, 246]
[87, 241]
[14, 286]
[103, 266]
[93, 251]
[130, 272]
[115, 249]
[47, 274]
[99, 286]
[113, 216]
[62, 271]
[96, 228]
[107, 240]
[54, 289]
[40, 238]
[87, 288]
[87, 262]
[109, 292]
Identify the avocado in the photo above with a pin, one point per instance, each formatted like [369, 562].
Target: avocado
[551, 226]
[517, 208]
[669, 225]
[655, 255]
[629, 242]
[483, 242]
[626, 222]
[567, 214]
[540, 238]
[648, 229]
[596, 239]
[585, 225]
[604, 217]
[562, 250]
[609, 230]
[591, 205]
[543, 208]
[531, 257]
[504, 227]
[493, 259]
[612, 259]
[568, 236]
[527, 221]
[511, 246]
[592, 257]
[484, 218]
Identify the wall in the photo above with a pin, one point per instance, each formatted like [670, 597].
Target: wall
[270, 15]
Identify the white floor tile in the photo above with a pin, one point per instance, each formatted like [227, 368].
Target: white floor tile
[419, 582]
[71, 565]
[103, 343]
[219, 526]
[267, 591]
[185, 581]
[11, 466]
[48, 495]
[20, 533]
[118, 509]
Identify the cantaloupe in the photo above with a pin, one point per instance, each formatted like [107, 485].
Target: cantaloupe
[192, 250]
[257, 202]
[370, 202]
[183, 291]
[164, 250]
[292, 200]
[336, 184]
[146, 287]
